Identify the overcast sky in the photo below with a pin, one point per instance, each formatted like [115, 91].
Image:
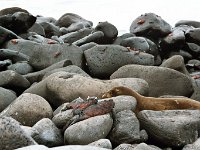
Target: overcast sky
[121, 13]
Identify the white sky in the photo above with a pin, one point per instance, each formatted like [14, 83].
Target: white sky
[121, 13]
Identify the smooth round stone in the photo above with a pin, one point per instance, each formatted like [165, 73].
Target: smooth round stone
[28, 109]
[89, 130]
[12, 136]
[6, 98]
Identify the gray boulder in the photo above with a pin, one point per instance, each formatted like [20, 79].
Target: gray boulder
[103, 60]
[44, 55]
[89, 130]
[48, 134]
[126, 129]
[38, 75]
[124, 103]
[12, 135]
[28, 109]
[62, 118]
[176, 62]
[54, 87]
[6, 97]
[6, 35]
[12, 79]
[150, 25]
[161, 80]
[21, 67]
[171, 127]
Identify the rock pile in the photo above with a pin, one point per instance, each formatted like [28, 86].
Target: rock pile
[50, 70]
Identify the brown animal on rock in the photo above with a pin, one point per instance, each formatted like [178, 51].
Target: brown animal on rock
[152, 103]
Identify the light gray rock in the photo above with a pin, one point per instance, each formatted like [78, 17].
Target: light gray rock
[21, 68]
[30, 131]
[34, 147]
[125, 147]
[124, 103]
[49, 135]
[89, 130]
[12, 135]
[144, 146]
[54, 87]
[103, 143]
[126, 129]
[76, 35]
[103, 60]
[44, 55]
[171, 127]
[161, 80]
[193, 146]
[70, 69]
[6, 97]
[12, 79]
[28, 109]
[78, 147]
[61, 119]
[79, 86]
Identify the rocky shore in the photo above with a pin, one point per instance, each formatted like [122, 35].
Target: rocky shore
[54, 73]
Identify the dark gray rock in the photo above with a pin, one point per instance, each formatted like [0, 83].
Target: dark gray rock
[195, 24]
[193, 49]
[11, 10]
[44, 55]
[109, 30]
[161, 80]
[126, 129]
[136, 43]
[6, 35]
[12, 79]
[103, 60]
[21, 68]
[171, 127]
[12, 135]
[38, 75]
[76, 35]
[6, 97]
[119, 39]
[37, 28]
[73, 22]
[173, 41]
[18, 22]
[150, 25]
[49, 135]
[28, 109]
[50, 29]
[193, 36]
[13, 55]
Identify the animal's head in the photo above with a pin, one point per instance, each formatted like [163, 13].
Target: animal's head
[114, 92]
